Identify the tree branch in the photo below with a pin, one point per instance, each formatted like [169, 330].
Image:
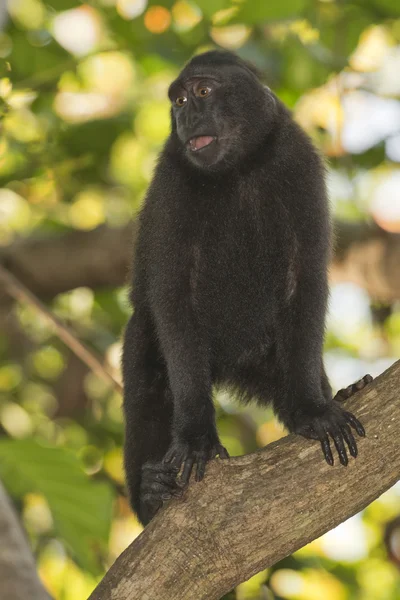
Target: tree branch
[18, 577]
[52, 265]
[365, 254]
[254, 510]
[368, 256]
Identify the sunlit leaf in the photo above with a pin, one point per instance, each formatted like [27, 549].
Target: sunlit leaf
[81, 509]
[255, 13]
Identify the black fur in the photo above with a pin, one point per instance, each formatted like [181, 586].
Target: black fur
[230, 281]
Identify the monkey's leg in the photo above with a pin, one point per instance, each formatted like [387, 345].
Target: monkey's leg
[195, 439]
[148, 419]
[305, 404]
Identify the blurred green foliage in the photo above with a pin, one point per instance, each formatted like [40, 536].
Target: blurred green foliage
[84, 112]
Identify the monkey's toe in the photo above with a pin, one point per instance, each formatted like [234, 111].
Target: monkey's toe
[352, 389]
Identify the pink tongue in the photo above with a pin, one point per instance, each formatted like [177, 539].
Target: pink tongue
[200, 142]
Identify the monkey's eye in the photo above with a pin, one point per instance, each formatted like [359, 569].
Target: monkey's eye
[180, 100]
[203, 91]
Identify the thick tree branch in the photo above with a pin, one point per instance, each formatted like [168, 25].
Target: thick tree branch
[365, 255]
[370, 257]
[251, 511]
[52, 265]
[18, 578]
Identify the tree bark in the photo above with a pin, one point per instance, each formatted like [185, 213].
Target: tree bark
[251, 511]
[52, 265]
[18, 578]
[365, 255]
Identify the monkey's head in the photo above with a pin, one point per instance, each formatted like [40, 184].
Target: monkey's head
[221, 112]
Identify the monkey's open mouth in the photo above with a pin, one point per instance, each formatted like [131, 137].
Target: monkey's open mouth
[202, 141]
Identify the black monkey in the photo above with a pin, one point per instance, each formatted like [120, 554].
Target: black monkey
[230, 281]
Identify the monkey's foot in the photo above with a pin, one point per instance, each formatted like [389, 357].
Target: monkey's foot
[185, 455]
[345, 393]
[158, 485]
[334, 422]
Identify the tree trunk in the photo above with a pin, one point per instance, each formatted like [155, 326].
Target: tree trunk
[18, 578]
[251, 511]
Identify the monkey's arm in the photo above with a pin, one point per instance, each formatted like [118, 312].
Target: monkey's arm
[194, 434]
[306, 406]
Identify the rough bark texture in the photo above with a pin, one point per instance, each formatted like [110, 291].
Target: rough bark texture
[52, 265]
[18, 578]
[254, 510]
[365, 255]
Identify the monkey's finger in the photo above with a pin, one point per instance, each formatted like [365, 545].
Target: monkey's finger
[187, 469]
[175, 458]
[170, 455]
[355, 423]
[344, 393]
[152, 487]
[353, 388]
[156, 491]
[367, 379]
[361, 383]
[200, 469]
[167, 480]
[326, 449]
[222, 452]
[165, 468]
[340, 447]
[350, 441]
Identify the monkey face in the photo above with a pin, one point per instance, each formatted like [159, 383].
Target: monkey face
[220, 110]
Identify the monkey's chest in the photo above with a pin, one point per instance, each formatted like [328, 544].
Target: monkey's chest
[225, 277]
[223, 274]
[227, 285]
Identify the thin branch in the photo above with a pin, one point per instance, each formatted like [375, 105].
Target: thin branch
[251, 511]
[20, 293]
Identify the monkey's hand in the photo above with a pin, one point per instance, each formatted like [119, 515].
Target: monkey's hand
[184, 455]
[332, 421]
[158, 485]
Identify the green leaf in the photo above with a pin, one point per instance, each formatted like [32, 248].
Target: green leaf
[385, 8]
[210, 7]
[81, 508]
[254, 12]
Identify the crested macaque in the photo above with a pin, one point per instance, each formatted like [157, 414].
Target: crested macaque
[230, 282]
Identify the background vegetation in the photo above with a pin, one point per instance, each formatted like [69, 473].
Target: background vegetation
[84, 113]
